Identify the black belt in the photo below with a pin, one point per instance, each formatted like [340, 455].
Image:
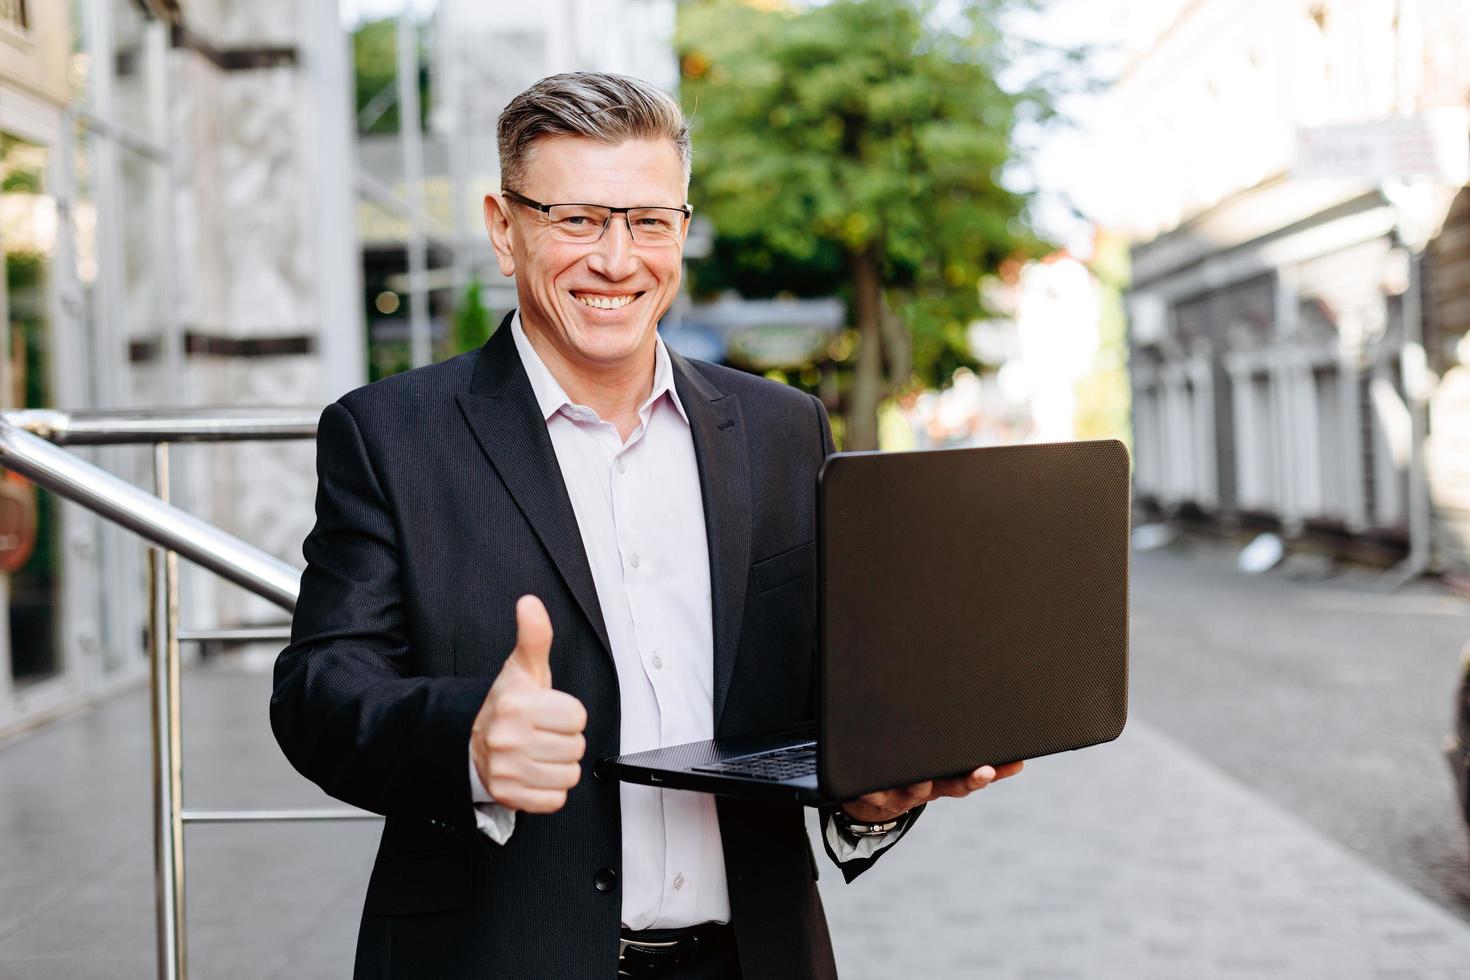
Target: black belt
[655, 952]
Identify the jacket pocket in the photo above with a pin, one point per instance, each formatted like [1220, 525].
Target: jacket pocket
[417, 883]
[790, 565]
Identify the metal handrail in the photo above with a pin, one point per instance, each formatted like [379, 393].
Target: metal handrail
[242, 634]
[30, 445]
[154, 425]
[158, 521]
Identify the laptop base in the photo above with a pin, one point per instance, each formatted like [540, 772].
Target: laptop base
[712, 767]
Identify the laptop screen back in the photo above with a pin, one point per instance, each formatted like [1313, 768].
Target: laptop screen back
[974, 608]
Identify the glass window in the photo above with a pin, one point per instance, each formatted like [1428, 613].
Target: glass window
[28, 518]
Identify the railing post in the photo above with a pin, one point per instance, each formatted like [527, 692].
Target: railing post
[30, 445]
[168, 803]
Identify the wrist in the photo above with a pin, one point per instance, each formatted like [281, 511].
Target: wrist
[854, 827]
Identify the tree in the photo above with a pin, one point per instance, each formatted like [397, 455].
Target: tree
[872, 130]
[472, 324]
[375, 75]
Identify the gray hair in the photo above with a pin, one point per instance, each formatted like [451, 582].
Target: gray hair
[594, 105]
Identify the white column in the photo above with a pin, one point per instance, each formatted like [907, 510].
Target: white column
[1287, 502]
[342, 340]
[1350, 401]
[1308, 471]
[1246, 448]
[411, 142]
[1206, 484]
[1175, 427]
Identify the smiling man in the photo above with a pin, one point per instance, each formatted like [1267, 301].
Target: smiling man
[570, 544]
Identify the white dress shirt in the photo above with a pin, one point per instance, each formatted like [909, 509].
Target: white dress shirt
[641, 516]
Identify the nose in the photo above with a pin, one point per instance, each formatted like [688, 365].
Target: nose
[612, 257]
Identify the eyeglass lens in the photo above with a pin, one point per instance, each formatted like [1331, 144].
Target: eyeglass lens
[585, 222]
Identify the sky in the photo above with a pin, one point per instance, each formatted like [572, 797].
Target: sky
[1059, 148]
[353, 12]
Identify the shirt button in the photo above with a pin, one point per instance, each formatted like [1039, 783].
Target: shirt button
[633, 561]
[657, 662]
[678, 881]
[605, 880]
[621, 468]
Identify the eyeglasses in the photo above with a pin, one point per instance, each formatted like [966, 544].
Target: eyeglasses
[585, 223]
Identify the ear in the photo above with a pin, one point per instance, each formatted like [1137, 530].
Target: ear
[502, 232]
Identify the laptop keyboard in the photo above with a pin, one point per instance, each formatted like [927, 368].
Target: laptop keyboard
[791, 762]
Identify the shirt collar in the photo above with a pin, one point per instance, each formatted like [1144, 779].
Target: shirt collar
[551, 397]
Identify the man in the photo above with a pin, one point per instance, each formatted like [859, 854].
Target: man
[569, 544]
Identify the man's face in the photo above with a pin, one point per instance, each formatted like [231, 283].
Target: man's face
[558, 281]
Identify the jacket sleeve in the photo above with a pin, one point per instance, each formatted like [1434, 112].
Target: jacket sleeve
[346, 707]
[856, 857]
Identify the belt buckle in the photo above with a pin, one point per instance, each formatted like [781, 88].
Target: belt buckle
[623, 945]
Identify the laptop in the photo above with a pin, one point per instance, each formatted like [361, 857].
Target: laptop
[973, 611]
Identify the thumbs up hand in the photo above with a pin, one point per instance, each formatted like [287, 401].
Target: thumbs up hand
[527, 739]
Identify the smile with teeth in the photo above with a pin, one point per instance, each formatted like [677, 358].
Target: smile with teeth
[606, 302]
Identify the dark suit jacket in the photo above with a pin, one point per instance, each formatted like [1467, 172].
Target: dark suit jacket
[439, 502]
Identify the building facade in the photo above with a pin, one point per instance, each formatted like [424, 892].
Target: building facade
[1290, 309]
[178, 229]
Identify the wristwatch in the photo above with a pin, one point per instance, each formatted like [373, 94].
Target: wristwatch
[855, 828]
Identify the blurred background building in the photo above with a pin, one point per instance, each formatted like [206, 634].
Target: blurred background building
[423, 185]
[1290, 175]
[209, 203]
[195, 212]
[176, 220]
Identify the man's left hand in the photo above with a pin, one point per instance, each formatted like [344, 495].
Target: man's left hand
[890, 804]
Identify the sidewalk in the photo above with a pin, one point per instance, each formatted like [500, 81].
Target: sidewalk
[1133, 860]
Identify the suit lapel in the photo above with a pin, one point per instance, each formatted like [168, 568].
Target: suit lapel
[501, 410]
[724, 480]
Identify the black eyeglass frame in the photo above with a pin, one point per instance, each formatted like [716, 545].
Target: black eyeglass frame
[687, 211]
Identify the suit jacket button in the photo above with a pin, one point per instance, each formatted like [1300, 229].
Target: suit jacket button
[605, 880]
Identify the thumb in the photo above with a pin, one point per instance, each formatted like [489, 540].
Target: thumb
[533, 639]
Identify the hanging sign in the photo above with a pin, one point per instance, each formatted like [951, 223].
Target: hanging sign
[1433, 143]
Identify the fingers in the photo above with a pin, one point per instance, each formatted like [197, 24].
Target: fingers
[962, 786]
[890, 799]
[538, 775]
[544, 746]
[528, 800]
[885, 804]
[979, 779]
[1009, 769]
[533, 639]
[556, 711]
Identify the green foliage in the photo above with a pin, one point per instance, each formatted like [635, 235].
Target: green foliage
[754, 267]
[472, 323]
[856, 127]
[375, 71]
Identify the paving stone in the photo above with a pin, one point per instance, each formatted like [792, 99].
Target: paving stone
[1138, 860]
[1217, 882]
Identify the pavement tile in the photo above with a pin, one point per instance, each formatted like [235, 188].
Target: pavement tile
[1216, 882]
[1132, 861]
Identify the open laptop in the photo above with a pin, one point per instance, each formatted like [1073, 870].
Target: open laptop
[973, 611]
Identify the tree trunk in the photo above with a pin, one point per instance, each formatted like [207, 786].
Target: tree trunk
[898, 348]
[867, 382]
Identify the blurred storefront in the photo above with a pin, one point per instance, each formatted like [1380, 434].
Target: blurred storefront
[177, 225]
[1281, 168]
